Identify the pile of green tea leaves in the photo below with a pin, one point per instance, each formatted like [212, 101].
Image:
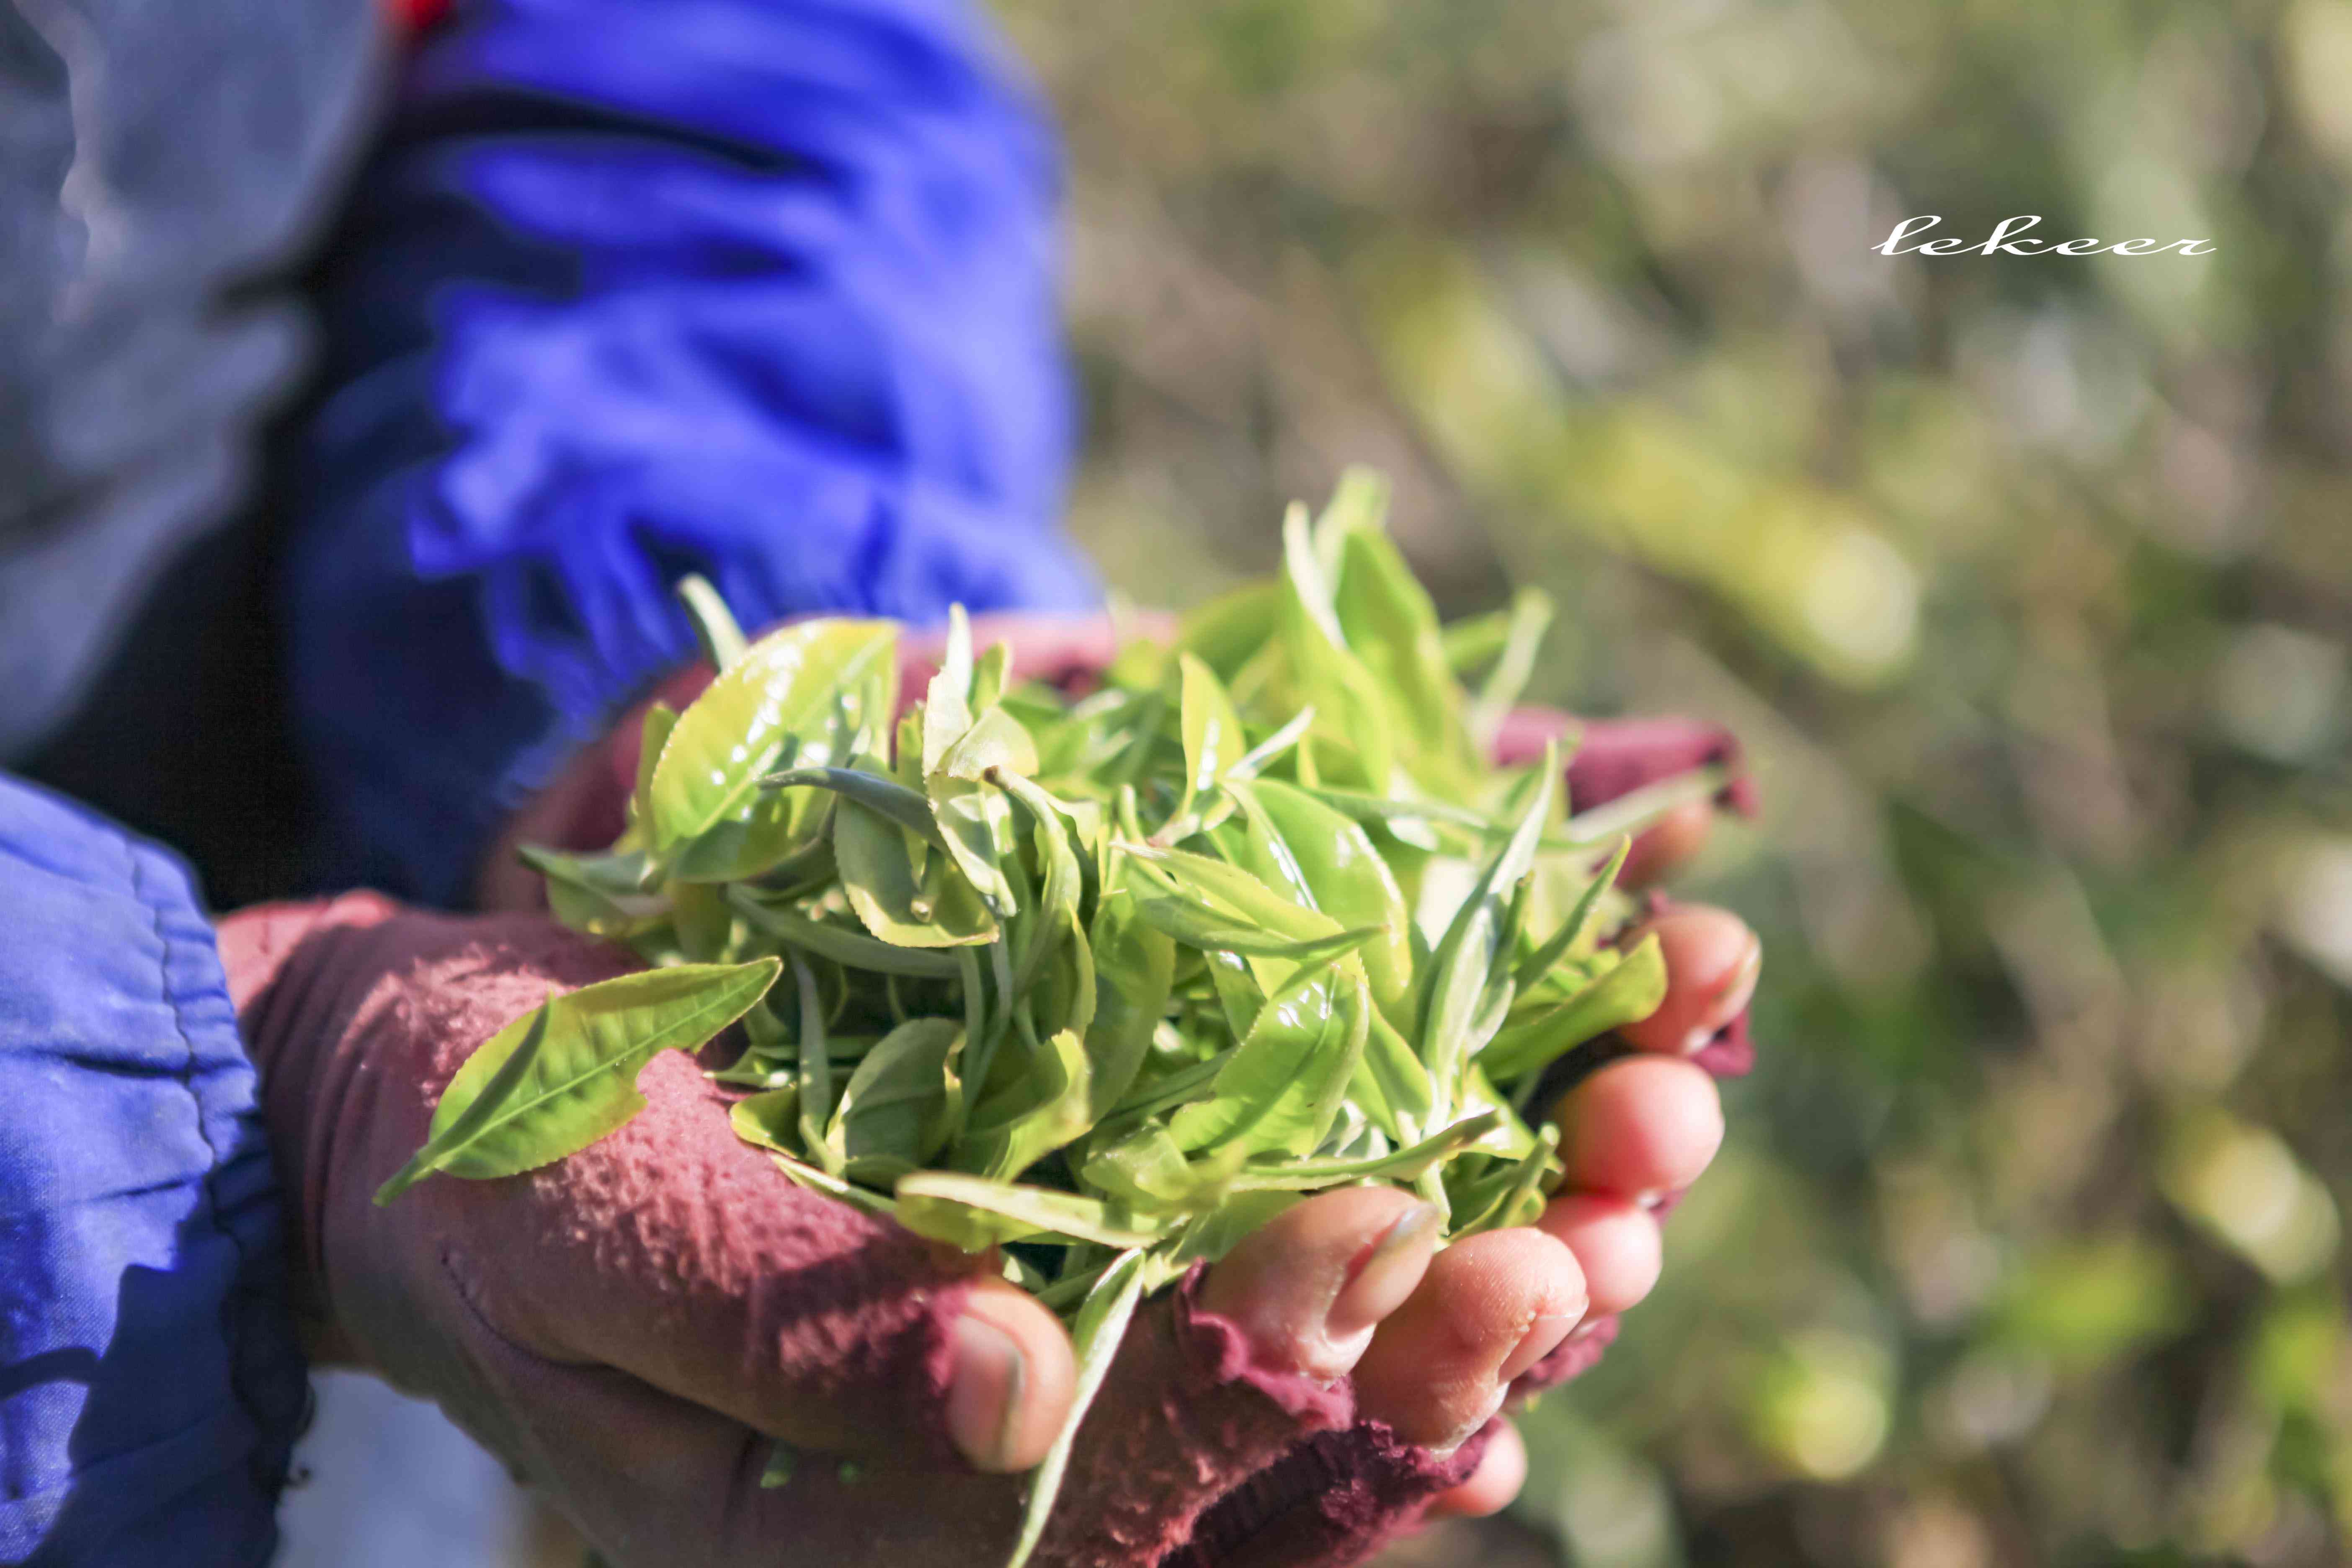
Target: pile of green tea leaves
[1103, 982]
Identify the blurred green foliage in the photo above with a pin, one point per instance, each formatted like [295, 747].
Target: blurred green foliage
[2028, 582]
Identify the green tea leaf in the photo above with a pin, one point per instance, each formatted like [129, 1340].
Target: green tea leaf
[995, 743]
[1212, 1234]
[1636, 809]
[1039, 1114]
[1101, 1325]
[1344, 876]
[1530, 618]
[899, 907]
[1406, 1165]
[834, 1187]
[783, 1460]
[813, 1094]
[1147, 1170]
[990, 673]
[703, 921]
[1258, 758]
[488, 1103]
[1057, 903]
[1390, 625]
[947, 702]
[1283, 1086]
[1196, 927]
[1230, 892]
[1517, 1202]
[1213, 739]
[852, 949]
[1225, 633]
[1626, 990]
[972, 811]
[1390, 811]
[578, 1080]
[877, 793]
[1193, 1081]
[714, 624]
[602, 895]
[1510, 1137]
[900, 1102]
[1578, 927]
[1473, 642]
[769, 1119]
[1463, 964]
[1350, 732]
[659, 720]
[1392, 1082]
[975, 1213]
[825, 688]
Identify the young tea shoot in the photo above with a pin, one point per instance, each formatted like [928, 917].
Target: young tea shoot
[1103, 981]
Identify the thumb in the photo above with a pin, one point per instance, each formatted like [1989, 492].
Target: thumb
[669, 1249]
[674, 1252]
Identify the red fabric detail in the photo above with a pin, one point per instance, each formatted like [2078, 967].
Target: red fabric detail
[1614, 757]
[416, 16]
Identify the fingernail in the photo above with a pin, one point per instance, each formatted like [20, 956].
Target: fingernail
[1542, 1338]
[985, 1393]
[1736, 989]
[1717, 1000]
[1386, 1273]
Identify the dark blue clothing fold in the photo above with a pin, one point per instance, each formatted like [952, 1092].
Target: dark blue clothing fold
[150, 1379]
[757, 288]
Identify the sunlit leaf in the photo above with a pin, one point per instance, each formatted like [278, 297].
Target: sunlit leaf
[822, 688]
[565, 1074]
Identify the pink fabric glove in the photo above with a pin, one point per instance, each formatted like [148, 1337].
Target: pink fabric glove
[629, 1327]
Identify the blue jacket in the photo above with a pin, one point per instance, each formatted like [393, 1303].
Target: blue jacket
[628, 288]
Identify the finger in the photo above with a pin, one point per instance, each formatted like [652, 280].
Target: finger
[1667, 845]
[1614, 757]
[1309, 1286]
[1492, 1486]
[1489, 1307]
[1640, 1126]
[1712, 961]
[1010, 1379]
[676, 1252]
[255, 943]
[1616, 1243]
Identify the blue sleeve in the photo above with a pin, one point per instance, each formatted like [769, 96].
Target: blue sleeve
[759, 288]
[150, 1378]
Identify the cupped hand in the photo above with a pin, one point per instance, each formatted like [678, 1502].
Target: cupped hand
[1414, 1350]
[635, 1328]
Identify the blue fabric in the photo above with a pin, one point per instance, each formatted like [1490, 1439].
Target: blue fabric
[158, 158]
[149, 1379]
[759, 288]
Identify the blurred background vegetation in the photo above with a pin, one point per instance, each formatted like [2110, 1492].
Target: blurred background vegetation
[2028, 583]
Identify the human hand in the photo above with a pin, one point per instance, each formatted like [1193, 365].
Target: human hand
[633, 1327]
[1638, 1131]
